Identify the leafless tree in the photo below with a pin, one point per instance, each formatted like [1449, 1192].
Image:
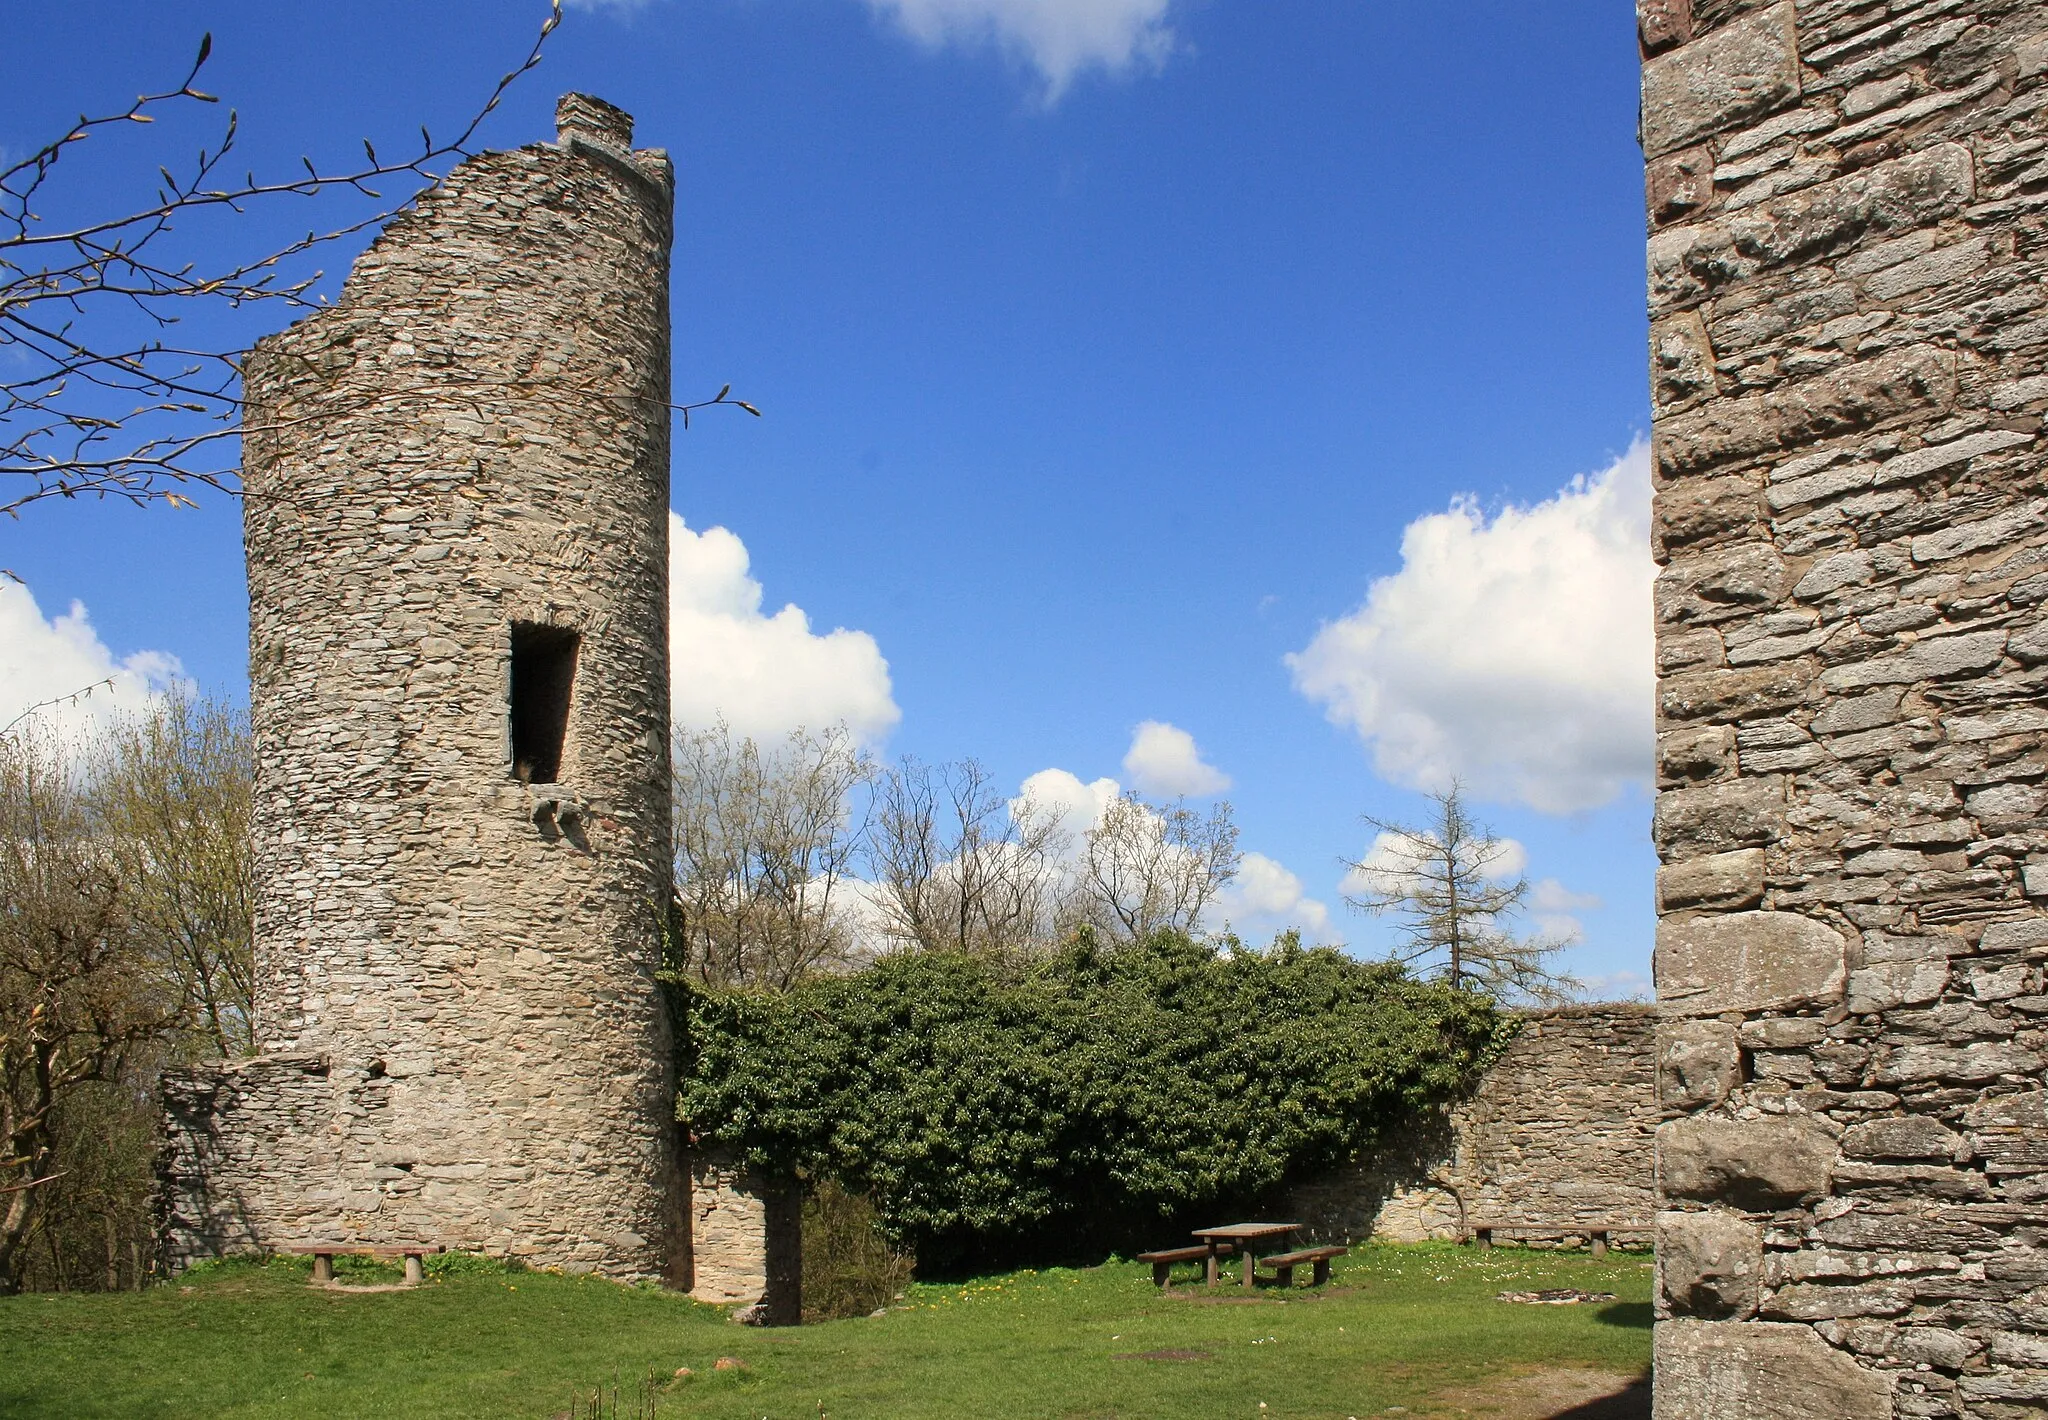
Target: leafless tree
[1446, 885]
[101, 395]
[958, 866]
[1147, 868]
[79, 996]
[764, 843]
[170, 791]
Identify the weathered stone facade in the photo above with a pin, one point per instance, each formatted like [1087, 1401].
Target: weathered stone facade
[1848, 284]
[1556, 1139]
[457, 503]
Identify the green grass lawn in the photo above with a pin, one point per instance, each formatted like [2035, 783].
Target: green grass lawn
[1397, 1325]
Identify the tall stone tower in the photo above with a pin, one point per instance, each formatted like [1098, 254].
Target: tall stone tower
[457, 499]
[1849, 361]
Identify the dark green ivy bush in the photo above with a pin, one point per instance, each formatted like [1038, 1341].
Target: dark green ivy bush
[1090, 1101]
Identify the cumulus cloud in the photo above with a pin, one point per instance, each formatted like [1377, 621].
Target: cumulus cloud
[1554, 908]
[1058, 38]
[765, 675]
[47, 660]
[1163, 761]
[1265, 898]
[1513, 652]
[1079, 805]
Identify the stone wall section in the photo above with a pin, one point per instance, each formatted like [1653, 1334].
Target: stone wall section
[1557, 1137]
[1847, 209]
[474, 438]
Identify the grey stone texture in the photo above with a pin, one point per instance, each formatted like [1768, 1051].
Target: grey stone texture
[1847, 205]
[462, 1039]
[1558, 1136]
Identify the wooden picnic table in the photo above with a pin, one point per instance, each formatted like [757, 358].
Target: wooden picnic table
[1246, 1236]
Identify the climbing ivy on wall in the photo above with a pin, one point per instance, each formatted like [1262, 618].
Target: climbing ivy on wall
[1090, 1100]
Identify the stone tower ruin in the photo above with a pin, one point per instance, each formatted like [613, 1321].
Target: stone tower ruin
[457, 500]
[1848, 275]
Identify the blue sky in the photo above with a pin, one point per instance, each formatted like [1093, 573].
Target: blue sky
[1219, 365]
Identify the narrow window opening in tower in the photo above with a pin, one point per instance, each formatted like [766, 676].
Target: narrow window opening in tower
[543, 673]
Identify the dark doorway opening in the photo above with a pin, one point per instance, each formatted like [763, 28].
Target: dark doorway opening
[543, 673]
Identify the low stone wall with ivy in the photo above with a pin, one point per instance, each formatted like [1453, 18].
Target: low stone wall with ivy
[1559, 1135]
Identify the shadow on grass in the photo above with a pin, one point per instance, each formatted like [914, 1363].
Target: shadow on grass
[1630, 1404]
[1635, 1315]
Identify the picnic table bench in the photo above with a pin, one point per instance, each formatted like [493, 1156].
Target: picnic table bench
[1163, 1260]
[323, 1255]
[1597, 1234]
[1284, 1264]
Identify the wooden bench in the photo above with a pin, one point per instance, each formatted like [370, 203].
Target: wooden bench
[1162, 1262]
[323, 1255]
[1596, 1234]
[1283, 1264]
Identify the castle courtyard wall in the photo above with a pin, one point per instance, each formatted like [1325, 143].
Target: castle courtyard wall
[1556, 1139]
[1847, 209]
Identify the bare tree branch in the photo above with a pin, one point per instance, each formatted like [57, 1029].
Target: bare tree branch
[90, 410]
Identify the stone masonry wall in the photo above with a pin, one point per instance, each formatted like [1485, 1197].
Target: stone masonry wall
[463, 1040]
[1558, 1136]
[1848, 201]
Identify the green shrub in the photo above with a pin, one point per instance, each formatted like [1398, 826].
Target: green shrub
[849, 1267]
[1082, 1103]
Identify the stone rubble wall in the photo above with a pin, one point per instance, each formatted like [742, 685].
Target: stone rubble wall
[474, 435]
[746, 1241]
[263, 1155]
[1557, 1136]
[1847, 206]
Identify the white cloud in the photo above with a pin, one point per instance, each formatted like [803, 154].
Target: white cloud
[1163, 761]
[43, 660]
[1266, 898]
[1058, 38]
[1616, 986]
[1512, 653]
[1554, 908]
[1079, 806]
[766, 675]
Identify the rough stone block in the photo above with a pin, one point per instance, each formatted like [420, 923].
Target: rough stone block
[1741, 71]
[1663, 23]
[1679, 183]
[1919, 380]
[1911, 1136]
[1886, 985]
[1979, 1062]
[1747, 961]
[1703, 752]
[1709, 1264]
[1735, 694]
[1936, 658]
[1713, 582]
[1715, 818]
[1808, 1302]
[1698, 1063]
[1781, 1033]
[1703, 508]
[2001, 807]
[1724, 880]
[1740, 1370]
[2028, 934]
[1681, 359]
[1757, 1164]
